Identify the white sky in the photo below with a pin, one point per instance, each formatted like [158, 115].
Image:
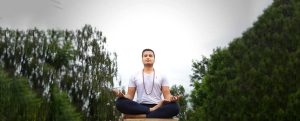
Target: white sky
[177, 30]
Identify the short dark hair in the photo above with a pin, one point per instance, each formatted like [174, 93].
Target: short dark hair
[147, 49]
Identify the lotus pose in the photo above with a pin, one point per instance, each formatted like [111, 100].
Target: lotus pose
[150, 85]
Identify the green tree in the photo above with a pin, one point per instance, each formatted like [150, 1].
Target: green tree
[61, 108]
[18, 102]
[199, 93]
[179, 90]
[76, 61]
[255, 77]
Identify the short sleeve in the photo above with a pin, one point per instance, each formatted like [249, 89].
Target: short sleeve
[165, 81]
[132, 82]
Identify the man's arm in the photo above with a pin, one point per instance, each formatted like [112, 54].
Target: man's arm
[166, 92]
[131, 92]
[167, 95]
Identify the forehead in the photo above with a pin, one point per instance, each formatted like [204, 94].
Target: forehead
[148, 52]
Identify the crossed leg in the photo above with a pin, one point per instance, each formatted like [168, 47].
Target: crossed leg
[132, 109]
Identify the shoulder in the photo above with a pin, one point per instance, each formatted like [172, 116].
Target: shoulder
[136, 74]
[162, 78]
[160, 75]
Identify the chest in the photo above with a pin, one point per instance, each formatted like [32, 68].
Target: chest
[148, 80]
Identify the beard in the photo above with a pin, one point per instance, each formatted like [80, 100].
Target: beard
[148, 65]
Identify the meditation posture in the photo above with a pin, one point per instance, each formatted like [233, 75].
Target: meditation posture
[150, 86]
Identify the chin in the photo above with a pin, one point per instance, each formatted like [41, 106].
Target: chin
[148, 64]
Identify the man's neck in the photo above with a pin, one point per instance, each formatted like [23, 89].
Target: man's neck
[148, 69]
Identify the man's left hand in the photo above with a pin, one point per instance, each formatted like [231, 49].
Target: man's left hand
[174, 98]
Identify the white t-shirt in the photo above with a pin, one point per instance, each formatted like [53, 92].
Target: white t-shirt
[148, 97]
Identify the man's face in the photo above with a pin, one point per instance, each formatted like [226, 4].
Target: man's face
[148, 58]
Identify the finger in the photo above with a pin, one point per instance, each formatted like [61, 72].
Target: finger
[172, 99]
[116, 92]
[122, 94]
[179, 96]
[175, 99]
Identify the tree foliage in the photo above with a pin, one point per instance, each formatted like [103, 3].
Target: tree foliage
[180, 91]
[18, 102]
[77, 62]
[256, 76]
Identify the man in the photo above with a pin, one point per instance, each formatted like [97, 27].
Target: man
[150, 86]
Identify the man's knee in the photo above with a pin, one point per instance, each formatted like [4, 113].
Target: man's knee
[174, 108]
[120, 104]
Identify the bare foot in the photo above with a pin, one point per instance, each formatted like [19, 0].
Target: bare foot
[158, 105]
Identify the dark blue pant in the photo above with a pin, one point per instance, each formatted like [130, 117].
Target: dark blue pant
[127, 106]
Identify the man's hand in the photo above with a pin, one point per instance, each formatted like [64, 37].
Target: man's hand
[118, 93]
[174, 98]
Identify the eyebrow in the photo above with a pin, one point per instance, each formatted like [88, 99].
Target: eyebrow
[148, 54]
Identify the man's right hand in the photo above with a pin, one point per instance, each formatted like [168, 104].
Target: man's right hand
[118, 93]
